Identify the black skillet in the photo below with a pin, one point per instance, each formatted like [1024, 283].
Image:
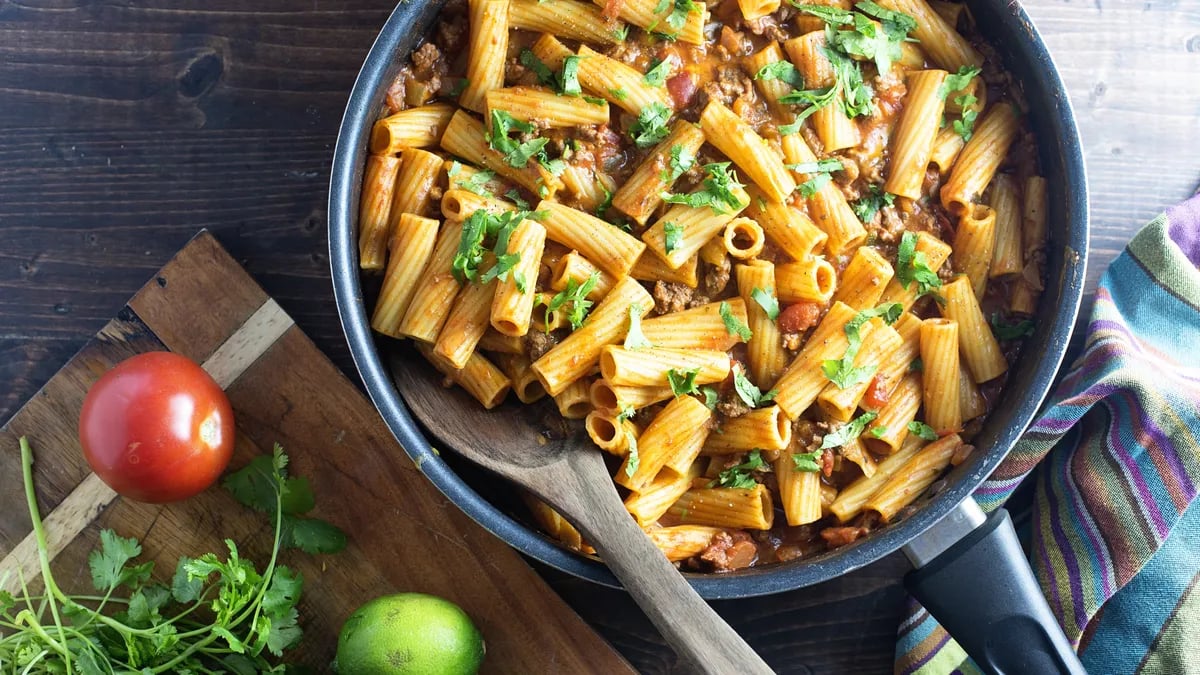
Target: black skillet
[971, 573]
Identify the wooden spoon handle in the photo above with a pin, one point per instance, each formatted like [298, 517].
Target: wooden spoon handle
[689, 624]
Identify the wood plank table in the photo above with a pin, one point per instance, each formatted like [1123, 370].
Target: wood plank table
[127, 126]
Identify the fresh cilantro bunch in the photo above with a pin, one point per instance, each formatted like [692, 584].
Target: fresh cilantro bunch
[216, 615]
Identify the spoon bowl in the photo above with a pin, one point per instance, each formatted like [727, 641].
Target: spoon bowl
[533, 448]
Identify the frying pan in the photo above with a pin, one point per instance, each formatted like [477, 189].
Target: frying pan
[970, 571]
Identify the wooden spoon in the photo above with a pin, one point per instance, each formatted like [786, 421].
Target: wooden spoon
[533, 447]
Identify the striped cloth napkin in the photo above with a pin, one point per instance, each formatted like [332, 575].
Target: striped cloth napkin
[1111, 536]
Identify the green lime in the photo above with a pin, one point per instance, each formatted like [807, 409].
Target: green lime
[411, 633]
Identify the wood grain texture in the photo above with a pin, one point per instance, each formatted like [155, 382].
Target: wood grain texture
[403, 534]
[127, 126]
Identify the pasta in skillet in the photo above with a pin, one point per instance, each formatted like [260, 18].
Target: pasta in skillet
[777, 257]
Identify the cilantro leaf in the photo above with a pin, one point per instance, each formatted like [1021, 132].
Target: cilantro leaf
[922, 431]
[184, 588]
[807, 461]
[651, 125]
[538, 67]
[912, 265]
[1005, 331]
[847, 432]
[783, 71]
[477, 183]
[958, 81]
[831, 15]
[682, 383]
[673, 236]
[790, 129]
[766, 300]
[635, 339]
[109, 565]
[631, 466]
[916, 365]
[569, 84]
[734, 325]
[619, 94]
[740, 476]
[856, 97]
[679, 13]
[812, 186]
[717, 191]
[827, 165]
[746, 390]
[815, 99]
[312, 535]
[657, 75]
[842, 372]
[878, 432]
[575, 294]
[710, 397]
[679, 162]
[965, 125]
[872, 202]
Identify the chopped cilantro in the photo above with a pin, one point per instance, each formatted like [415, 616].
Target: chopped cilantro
[515, 197]
[635, 339]
[922, 431]
[815, 99]
[674, 235]
[516, 155]
[458, 88]
[679, 13]
[622, 33]
[916, 365]
[603, 207]
[657, 75]
[827, 165]
[734, 325]
[814, 185]
[847, 432]
[539, 68]
[783, 71]
[856, 97]
[710, 397]
[1011, 331]
[766, 300]
[682, 383]
[872, 202]
[739, 476]
[965, 125]
[619, 94]
[575, 294]
[865, 38]
[679, 161]
[746, 390]
[958, 81]
[479, 227]
[878, 432]
[843, 372]
[912, 265]
[569, 82]
[717, 191]
[807, 461]
[651, 125]
[477, 182]
[790, 129]
[631, 466]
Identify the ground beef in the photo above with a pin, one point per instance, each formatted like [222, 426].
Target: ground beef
[452, 30]
[731, 405]
[538, 343]
[671, 297]
[735, 43]
[427, 61]
[717, 277]
[888, 227]
[729, 551]
[768, 26]
[840, 536]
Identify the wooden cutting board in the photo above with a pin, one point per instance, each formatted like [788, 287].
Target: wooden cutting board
[403, 534]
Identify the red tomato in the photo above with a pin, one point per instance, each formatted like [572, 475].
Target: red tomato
[157, 428]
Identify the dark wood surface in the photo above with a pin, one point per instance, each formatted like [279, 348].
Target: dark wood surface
[402, 533]
[126, 126]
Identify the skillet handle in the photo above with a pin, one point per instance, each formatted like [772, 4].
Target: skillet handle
[982, 590]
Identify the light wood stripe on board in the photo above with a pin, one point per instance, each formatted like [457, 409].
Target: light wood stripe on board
[75, 512]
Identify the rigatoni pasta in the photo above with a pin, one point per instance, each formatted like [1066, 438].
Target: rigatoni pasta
[716, 280]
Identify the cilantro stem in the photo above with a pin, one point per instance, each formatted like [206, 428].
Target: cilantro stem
[43, 558]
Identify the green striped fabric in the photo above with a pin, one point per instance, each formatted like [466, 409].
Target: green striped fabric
[1114, 537]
